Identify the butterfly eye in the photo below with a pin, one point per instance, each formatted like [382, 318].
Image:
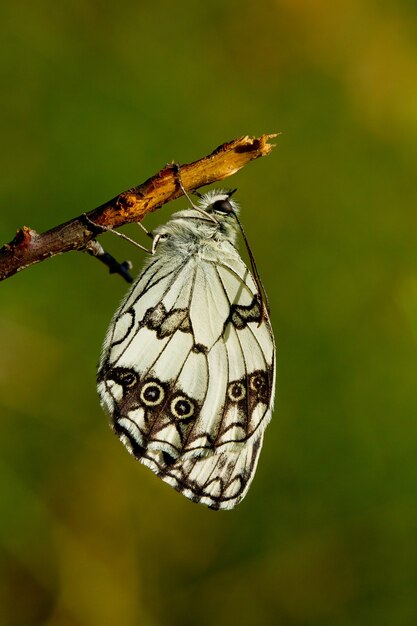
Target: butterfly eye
[222, 206]
[182, 408]
[236, 392]
[152, 393]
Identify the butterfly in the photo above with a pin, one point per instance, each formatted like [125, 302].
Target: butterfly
[187, 371]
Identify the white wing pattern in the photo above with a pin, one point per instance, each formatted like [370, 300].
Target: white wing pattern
[188, 373]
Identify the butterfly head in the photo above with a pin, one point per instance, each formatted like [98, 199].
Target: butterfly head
[214, 216]
[219, 204]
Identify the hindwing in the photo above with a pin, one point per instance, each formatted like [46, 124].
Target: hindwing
[188, 374]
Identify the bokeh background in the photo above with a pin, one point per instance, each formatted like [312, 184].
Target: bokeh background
[96, 97]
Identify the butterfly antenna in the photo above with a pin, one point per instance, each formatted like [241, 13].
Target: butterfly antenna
[261, 289]
[177, 170]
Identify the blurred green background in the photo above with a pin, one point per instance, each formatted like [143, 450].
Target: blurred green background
[95, 98]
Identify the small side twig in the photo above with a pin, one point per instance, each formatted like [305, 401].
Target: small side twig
[96, 249]
[29, 247]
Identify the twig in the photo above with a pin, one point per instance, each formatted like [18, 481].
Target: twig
[29, 247]
[96, 249]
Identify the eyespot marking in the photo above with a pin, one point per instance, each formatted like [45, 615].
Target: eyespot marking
[257, 382]
[152, 393]
[236, 391]
[182, 407]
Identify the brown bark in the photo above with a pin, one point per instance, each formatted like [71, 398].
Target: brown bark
[29, 247]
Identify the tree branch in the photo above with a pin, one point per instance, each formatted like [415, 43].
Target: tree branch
[29, 247]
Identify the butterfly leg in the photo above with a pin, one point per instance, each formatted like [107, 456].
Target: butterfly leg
[156, 240]
[177, 171]
[145, 230]
[105, 229]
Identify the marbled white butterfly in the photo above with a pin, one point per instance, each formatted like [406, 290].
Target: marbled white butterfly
[187, 371]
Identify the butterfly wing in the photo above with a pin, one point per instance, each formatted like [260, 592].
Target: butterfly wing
[188, 374]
